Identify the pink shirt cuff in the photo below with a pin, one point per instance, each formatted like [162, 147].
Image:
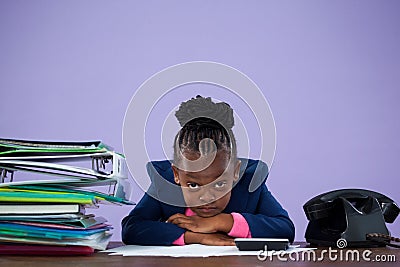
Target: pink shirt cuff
[180, 241]
[240, 226]
[239, 229]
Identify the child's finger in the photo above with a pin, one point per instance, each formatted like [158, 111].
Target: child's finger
[177, 215]
[179, 219]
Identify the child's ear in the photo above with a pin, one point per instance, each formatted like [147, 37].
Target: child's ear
[237, 170]
[176, 174]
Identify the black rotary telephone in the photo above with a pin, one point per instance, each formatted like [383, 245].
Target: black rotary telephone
[354, 216]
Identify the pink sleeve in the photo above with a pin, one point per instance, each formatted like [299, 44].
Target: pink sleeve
[240, 226]
[180, 241]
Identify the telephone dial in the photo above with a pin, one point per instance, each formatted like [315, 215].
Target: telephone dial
[355, 215]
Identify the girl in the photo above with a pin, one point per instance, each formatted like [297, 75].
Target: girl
[219, 206]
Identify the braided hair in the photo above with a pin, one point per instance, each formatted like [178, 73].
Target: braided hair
[202, 119]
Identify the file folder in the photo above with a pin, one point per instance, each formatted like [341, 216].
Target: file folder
[46, 210]
[14, 147]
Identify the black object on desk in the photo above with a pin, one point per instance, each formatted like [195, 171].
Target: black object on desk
[347, 217]
[262, 243]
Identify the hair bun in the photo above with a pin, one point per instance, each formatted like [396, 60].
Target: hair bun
[204, 107]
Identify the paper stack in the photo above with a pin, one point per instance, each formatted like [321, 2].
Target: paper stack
[48, 213]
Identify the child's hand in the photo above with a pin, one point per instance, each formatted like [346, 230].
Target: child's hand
[219, 223]
[214, 239]
[194, 223]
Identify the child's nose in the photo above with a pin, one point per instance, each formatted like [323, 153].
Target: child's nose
[207, 197]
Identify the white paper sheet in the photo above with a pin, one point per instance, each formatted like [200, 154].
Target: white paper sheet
[195, 250]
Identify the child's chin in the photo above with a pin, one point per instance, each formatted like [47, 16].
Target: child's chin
[207, 214]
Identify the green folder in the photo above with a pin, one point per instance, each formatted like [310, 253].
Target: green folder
[19, 195]
[65, 189]
[14, 147]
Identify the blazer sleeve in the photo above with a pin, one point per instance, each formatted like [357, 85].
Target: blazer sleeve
[269, 220]
[145, 225]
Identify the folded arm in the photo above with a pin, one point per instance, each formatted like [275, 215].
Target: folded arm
[146, 225]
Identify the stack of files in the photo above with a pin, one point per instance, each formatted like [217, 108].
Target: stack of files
[48, 215]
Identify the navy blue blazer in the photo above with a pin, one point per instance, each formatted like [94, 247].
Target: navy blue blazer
[145, 225]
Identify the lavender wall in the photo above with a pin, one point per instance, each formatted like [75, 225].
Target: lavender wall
[329, 69]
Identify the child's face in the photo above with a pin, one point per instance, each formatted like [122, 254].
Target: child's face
[208, 191]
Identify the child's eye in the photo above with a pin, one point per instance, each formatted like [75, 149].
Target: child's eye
[193, 186]
[220, 185]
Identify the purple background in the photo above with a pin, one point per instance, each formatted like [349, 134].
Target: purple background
[329, 69]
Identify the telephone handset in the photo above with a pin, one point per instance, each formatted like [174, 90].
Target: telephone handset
[355, 215]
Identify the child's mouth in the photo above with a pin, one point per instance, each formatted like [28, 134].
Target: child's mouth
[207, 209]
